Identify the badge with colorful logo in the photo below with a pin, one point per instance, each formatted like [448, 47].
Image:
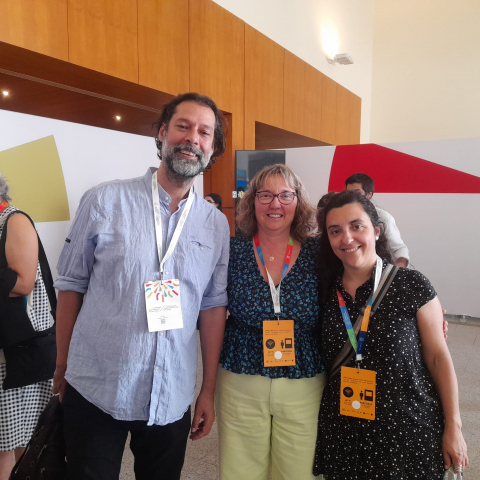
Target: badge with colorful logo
[162, 300]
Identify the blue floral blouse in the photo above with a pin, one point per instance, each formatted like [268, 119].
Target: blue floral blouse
[250, 303]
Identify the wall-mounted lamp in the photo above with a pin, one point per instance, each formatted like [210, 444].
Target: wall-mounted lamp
[341, 58]
[118, 117]
[5, 93]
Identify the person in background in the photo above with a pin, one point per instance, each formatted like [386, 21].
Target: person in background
[131, 362]
[267, 414]
[362, 183]
[416, 430]
[214, 199]
[21, 407]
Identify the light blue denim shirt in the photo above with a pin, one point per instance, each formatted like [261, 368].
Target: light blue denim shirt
[114, 361]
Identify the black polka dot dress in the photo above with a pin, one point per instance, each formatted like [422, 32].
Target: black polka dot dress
[405, 440]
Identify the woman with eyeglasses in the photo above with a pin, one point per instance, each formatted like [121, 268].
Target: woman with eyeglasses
[271, 378]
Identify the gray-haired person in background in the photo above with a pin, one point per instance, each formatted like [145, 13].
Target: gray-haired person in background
[24, 310]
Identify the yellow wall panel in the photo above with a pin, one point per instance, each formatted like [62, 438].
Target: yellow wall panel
[312, 114]
[39, 25]
[103, 36]
[35, 177]
[294, 93]
[163, 50]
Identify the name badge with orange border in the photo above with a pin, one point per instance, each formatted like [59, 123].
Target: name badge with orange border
[357, 393]
[278, 343]
[164, 311]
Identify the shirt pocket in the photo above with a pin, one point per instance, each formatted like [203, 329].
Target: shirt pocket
[201, 259]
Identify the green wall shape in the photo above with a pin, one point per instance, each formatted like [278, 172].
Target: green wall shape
[35, 176]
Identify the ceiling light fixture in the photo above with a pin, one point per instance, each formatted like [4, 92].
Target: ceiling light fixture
[118, 117]
[342, 59]
[5, 93]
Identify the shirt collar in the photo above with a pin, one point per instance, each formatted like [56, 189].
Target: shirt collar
[164, 196]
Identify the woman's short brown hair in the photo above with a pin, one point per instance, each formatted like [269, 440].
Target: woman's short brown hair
[303, 223]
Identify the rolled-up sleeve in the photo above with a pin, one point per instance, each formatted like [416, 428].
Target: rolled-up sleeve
[76, 260]
[215, 294]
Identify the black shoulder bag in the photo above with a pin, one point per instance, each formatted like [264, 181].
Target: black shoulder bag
[32, 360]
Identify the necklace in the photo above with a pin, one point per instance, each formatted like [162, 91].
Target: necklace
[272, 258]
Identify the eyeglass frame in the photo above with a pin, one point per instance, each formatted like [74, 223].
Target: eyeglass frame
[276, 195]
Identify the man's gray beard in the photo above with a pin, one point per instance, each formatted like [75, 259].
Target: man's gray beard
[180, 168]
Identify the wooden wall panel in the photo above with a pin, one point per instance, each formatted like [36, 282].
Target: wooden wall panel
[293, 93]
[329, 110]
[217, 61]
[103, 36]
[223, 171]
[342, 119]
[355, 119]
[264, 67]
[312, 112]
[217, 54]
[163, 45]
[39, 25]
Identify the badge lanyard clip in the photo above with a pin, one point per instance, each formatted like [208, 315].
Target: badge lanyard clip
[158, 224]
[275, 292]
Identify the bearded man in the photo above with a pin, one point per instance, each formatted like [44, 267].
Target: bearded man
[143, 260]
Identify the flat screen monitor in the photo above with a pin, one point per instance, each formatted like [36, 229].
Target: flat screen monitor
[249, 162]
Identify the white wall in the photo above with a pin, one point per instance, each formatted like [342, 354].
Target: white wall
[426, 70]
[297, 26]
[88, 155]
[440, 230]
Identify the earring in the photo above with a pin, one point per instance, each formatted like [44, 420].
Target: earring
[376, 238]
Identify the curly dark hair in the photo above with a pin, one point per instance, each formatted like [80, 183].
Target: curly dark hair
[329, 263]
[216, 198]
[221, 124]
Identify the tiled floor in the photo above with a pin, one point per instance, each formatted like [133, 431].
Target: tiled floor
[201, 462]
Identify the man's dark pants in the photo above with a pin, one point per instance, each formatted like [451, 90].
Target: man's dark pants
[96, 441]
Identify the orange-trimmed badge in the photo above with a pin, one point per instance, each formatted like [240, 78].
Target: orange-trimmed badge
[278, 343]
[357, 393]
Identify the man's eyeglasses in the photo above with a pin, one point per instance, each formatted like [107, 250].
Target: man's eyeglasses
[285, 198]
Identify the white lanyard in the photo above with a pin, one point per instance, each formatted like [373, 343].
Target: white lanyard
[275, 291]
[158, 223]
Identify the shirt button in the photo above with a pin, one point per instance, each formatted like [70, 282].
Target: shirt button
[157, 368]
[166, 198]
[161, 334]
[201, 248]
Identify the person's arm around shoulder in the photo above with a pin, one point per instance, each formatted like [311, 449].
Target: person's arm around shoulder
[439, 363]
[212, 327]
[21, 250]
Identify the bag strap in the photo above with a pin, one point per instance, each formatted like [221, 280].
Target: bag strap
[42, 258]
[347, 352]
